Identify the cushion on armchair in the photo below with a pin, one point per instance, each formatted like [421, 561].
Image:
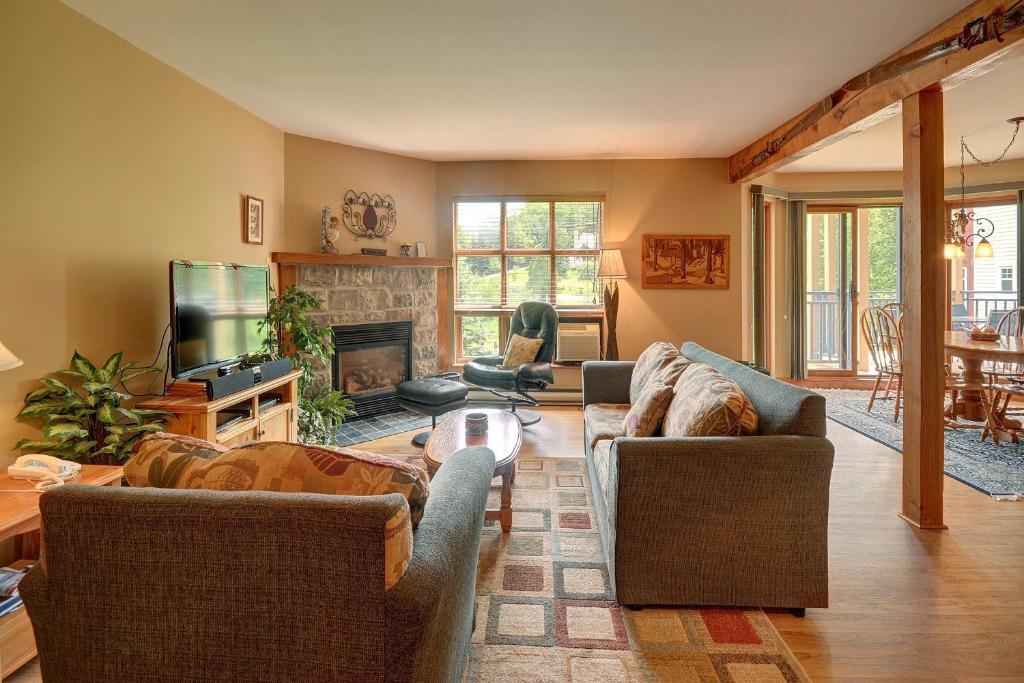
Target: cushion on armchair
[706, 403]
[521, 350]
[172, 461]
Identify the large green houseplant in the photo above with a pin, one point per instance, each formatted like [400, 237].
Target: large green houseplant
[83, 419]
[290, 331]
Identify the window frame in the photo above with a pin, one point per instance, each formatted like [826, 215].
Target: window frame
[503, 311]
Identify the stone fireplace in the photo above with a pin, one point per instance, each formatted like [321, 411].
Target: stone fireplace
[370, 360]
[360, 292]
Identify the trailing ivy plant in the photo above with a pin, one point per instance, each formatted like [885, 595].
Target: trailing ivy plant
[83, 419]
[290, 331]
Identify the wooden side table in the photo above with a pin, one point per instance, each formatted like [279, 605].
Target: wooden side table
[19, 518]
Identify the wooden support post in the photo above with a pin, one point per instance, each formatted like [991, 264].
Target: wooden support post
[924, 277]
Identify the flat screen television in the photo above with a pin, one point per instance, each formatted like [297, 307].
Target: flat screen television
[216, 310]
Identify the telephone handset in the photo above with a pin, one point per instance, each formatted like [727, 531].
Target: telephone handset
[51, 471]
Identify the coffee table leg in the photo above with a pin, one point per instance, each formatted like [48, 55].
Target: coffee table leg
[506, 500]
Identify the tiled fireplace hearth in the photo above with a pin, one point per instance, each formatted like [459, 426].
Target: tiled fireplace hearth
[361, 293]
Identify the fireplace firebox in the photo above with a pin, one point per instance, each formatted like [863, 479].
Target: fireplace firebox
[370, 361]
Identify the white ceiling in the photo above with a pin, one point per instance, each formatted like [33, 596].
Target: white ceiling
[523, 79]
[977, 110]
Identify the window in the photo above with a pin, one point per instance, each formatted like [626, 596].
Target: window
[521, 249]
[1006, 279]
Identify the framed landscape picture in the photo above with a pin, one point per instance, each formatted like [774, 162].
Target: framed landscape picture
[685, 262]
[253, 220]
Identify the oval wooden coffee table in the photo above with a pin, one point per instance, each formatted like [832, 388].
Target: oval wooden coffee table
[504, 437]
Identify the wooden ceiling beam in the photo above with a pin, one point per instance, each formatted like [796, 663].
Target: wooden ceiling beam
[971, 43]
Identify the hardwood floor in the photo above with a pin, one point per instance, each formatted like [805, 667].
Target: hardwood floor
[907, 605]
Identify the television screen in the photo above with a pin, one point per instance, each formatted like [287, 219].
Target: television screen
[216, 309]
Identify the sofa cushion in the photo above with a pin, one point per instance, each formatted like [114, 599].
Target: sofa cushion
[655, 357]
[170, 461]
[604, 421]
[645, 415]
[706, 403]
[521, 350]
[602, 455]
[781, 408]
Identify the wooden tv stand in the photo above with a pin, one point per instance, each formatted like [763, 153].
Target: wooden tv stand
[193, 414]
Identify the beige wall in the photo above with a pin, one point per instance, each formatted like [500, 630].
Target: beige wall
[112, 164]
[318, 173]
[642, 196]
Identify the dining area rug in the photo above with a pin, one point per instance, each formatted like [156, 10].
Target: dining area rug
[991, 469]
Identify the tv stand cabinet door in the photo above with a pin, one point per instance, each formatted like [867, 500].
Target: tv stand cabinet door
[276, 424]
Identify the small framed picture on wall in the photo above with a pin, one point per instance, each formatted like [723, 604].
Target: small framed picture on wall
[252, 223]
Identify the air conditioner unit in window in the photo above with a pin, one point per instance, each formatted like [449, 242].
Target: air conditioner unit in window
[578, 342]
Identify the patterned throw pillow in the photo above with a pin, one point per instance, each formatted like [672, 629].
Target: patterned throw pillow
[521, 350]
[655, 357]
[645, 415]
[706, 403]
[169, 461]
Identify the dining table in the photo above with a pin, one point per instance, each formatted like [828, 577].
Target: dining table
[974, 353]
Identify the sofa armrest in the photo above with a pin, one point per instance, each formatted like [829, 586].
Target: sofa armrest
[430, 609]
[735, 516]
[606, 381]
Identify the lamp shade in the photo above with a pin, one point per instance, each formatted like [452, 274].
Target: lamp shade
[8, 361]
[612, 266]
[983, 249]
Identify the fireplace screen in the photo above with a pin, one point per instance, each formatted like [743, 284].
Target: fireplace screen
[371, 371]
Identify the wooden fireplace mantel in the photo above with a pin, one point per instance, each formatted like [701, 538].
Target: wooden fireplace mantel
[299, 258]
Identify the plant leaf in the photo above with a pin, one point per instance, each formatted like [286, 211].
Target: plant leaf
[106, 413]
[113, 364]
[62, 431]
[94, 387]
[38, 395]
[57, 386]
[81, 364]
[131, 415]
[37, 445]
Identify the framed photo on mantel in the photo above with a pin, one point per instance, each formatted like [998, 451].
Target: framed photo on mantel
[252, 220]
[685, 262]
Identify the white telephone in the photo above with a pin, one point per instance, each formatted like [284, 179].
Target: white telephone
[51, 471]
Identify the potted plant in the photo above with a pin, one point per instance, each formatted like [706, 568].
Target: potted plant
[83, 419]
[291, 332]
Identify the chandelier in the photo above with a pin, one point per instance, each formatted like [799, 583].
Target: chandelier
[957, 237]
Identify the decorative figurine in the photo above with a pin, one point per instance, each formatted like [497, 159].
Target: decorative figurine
[405, 249]
[329, 231]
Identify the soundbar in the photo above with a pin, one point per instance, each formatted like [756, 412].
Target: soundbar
[219, 387]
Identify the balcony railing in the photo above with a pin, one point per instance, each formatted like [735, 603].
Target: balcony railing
[826, 323]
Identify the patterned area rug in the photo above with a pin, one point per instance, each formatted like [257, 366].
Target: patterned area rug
[545, 611]
[992, 469]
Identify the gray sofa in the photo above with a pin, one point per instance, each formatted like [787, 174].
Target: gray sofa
[731, 521]
[187, 585]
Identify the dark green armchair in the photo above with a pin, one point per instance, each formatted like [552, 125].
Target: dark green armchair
[533, 319]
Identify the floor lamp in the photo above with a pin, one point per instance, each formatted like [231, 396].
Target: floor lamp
[611, 270]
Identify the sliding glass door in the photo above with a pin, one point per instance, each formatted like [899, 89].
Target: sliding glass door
[831, 276]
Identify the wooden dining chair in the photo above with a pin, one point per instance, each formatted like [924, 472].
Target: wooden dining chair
[894, 309]
[884, 340]
[1006, 379]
